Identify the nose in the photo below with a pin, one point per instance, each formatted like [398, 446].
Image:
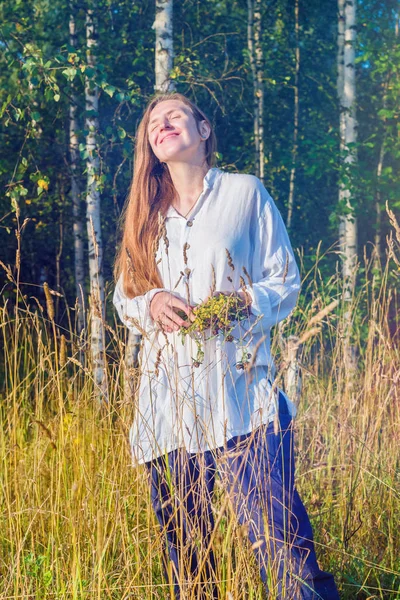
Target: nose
[164, 124]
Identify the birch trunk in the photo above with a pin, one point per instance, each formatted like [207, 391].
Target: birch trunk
[377, 248]
[260, 86]
[164, 50]
[348, 222]
[296, 119]
[75, 192]
[164, 56]
[60, 187]
[254, 37]
[131, 365]
[293, 376]
[378, 233]
[250, 46]
[93, 220]
[340, 92]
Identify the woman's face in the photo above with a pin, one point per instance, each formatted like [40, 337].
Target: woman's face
[173, 134]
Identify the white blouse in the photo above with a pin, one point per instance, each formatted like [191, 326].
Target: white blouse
[234, 235]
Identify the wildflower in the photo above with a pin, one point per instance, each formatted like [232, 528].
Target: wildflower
[217, 315]
[43, 184]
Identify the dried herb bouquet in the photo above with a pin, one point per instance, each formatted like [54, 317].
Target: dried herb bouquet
[217, 315]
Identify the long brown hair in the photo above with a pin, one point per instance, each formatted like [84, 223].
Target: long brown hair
[150, 195]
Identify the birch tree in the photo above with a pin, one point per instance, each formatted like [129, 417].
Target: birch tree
[93, 216]
[164, 55]
[75, 192]
[295, 119]
[164, 51]
[340, 80]
[379, 169]
[348, 135]
[254, 38]
[377, 236]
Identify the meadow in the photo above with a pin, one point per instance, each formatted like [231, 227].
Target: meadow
[76, 520]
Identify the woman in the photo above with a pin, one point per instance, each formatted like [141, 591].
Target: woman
[191, 231]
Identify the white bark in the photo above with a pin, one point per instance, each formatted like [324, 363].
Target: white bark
[260, 85]
[250, 45]
[340, 92]
[382, 152]
[130, 365]
[75, 192]
[296, 119]
[93, 220]
[346, 86]
[254, 37]
[377, 249]
[293, 377]
[348, 227]
[164, 50]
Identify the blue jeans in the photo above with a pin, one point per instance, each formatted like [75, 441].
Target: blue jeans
[257, 472]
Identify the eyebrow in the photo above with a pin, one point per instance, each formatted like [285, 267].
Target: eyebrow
[168, 113]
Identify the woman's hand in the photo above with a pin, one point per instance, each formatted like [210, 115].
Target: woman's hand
[246, 298]
[163, 311]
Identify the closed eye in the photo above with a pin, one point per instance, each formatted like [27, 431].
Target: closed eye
[173, 117]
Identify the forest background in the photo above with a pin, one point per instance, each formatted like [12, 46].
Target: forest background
[49, 411]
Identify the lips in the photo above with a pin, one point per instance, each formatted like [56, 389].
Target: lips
[167, 136]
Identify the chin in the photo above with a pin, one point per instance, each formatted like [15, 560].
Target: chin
[186, 155]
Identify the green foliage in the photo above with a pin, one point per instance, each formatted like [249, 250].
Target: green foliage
[41, 73]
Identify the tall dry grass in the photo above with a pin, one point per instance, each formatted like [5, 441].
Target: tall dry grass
[76, 521]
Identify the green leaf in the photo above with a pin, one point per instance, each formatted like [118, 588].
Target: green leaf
[121, 133]
[109, 89]
[70, 73]
[89, 71]
[385, 113]
[5, 104]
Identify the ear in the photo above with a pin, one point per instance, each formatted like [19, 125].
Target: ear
[205, 130]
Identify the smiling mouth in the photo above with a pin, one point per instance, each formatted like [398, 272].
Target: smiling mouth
[168, 136]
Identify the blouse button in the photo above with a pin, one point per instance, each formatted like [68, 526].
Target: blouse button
[189, 223]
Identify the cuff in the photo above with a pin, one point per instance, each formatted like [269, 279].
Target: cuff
[149, 297]
[260, 301]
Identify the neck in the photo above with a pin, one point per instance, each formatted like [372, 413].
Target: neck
[188, 180]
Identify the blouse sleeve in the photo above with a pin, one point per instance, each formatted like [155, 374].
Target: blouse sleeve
[275, 276]
[135, 312]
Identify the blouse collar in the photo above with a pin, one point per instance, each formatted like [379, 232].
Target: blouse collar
[208, 183]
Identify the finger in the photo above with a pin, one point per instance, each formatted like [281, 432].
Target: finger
[165, 323]
[185, 308]
[176, 302]
[176, 319]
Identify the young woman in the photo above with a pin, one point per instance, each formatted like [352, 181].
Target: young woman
[190, 232]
